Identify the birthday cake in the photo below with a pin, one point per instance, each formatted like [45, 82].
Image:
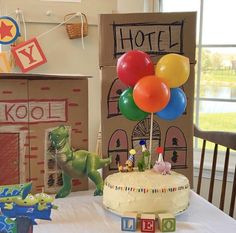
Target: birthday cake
[137, 188]
[146, 192]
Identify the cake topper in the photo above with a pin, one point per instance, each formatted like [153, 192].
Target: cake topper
[152, 90]
[129, 164]
[161, 166]
[143, 163]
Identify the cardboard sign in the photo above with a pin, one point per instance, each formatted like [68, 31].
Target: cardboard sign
[5, 66]
[31, 106]
[154, 33]
[33, 111]
[157, 34]
[29, 55]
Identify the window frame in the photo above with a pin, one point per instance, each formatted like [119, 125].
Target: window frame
[200, 46]
[198, 99]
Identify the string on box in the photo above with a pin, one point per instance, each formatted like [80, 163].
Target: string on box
[20, 17]
[21, 48]
[65, 21]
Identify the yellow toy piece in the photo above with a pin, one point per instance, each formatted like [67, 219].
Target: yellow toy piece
[43, 200]
[8, 206]
[129, 165]
[30, 200]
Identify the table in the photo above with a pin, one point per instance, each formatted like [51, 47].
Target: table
[81, 212]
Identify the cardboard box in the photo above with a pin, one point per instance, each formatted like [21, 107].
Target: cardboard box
[157, 34]
[30, 107]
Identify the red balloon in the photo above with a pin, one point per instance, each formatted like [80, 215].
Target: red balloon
[134, 65]
[151, 94]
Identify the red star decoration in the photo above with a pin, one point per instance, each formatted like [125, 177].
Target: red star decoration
[5, 30]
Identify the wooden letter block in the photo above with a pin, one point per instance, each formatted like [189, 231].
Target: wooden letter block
[167, 222]
[148, 223]
[129, 222]
[29, 55]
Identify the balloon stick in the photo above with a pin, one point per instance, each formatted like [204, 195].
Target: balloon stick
[150, 141]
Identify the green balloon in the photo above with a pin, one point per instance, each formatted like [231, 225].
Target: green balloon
[128, 107]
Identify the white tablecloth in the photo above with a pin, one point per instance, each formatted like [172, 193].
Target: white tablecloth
[81, 212]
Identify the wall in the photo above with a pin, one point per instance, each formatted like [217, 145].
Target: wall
[66, 56]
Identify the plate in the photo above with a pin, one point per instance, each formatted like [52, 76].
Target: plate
[139, 214]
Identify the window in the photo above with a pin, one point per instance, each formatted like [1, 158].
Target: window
[53, 173]
[215, 78]
[215, 91]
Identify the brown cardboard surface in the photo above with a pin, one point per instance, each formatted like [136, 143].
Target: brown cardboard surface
[119, 135]
[154, 33]
[29, 76]
[50, 102]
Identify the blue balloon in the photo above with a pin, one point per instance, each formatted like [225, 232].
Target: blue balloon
[175, 107]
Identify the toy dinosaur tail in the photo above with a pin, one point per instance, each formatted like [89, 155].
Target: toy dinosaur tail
[105, 162]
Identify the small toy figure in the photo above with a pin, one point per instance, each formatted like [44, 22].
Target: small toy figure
[16, 203]
[45, 201]
[143, 163]
[161, 166]
[129, 164]
[75, 163]
[21, 207]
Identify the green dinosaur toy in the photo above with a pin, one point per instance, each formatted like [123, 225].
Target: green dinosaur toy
[75, 163]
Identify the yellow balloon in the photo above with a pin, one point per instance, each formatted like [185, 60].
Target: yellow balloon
[173, 69]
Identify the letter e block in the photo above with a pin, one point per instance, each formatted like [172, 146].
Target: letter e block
[29, 55]
[147, 222]
[167, 222]
[129, 222]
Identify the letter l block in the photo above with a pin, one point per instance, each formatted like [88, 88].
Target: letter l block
[129, 222]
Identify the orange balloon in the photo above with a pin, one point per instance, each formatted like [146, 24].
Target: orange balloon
[151, 94]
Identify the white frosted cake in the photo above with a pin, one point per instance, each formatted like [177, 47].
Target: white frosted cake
[146, 192]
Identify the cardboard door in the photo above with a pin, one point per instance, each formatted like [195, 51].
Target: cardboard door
[9, 158]
[14, 140]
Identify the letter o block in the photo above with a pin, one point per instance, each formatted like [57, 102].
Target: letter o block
[167, 222]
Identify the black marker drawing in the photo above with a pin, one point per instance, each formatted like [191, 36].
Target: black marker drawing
[174, 141]
[142, 132]
[116, 89]
[175, 147]
[174, 158]
[118, 148]
[152, 38]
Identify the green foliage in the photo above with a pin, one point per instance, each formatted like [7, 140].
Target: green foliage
[218, 121]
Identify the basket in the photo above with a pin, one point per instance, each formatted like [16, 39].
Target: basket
[74, 30]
